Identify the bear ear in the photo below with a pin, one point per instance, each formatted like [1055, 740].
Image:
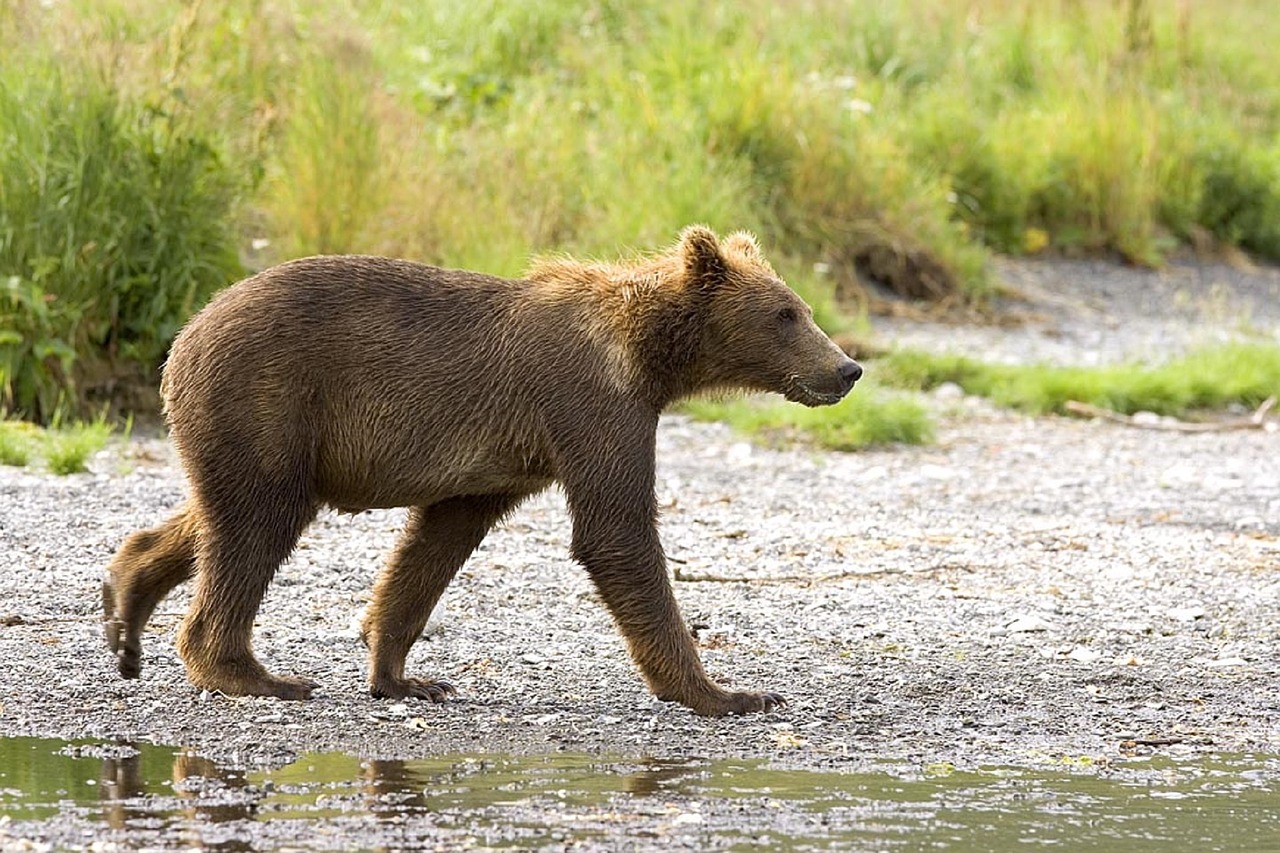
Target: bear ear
[744, 243]
[702, 259]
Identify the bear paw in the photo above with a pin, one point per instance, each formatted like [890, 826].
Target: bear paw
[724, 703]
[412, 688]
[290, 687]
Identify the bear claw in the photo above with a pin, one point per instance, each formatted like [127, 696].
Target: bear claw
[288, 687]
[741, 703]
[413, 688]
[751, 703]
[772, 701]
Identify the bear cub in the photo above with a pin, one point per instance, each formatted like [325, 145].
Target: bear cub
[360, 382]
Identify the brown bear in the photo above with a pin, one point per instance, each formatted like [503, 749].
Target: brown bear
[359, 382]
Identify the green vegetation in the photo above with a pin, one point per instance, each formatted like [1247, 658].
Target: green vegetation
[867, 418]
[114, 226]
[65, 450]
[146, 148]
[1244, 374]
[15, 443]
[884, 412]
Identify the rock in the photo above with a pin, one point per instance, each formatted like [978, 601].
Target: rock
[1028, 624]
[1185, 614]
[1223, 663]
[1084, 654]
[949, 391]
[435, 622]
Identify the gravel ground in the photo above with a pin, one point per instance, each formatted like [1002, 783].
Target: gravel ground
[1084, 312]
[1024, 587]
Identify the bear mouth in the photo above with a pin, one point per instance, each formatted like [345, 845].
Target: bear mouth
[797, 392]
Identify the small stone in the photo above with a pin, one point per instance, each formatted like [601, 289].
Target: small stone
[435, 622]
[935, 473]
[396, 713]
[1179, 475]
[1222, 663]
[1084, 654]
[948, 391]
[1131, 627]
[1185, 614]
[1028, 624]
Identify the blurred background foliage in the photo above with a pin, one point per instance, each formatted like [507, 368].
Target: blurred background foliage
[152, 152]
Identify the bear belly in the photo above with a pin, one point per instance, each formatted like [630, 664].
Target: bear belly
[383, 484]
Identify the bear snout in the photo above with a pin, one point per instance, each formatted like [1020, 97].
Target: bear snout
[824, 387]
[850, 372]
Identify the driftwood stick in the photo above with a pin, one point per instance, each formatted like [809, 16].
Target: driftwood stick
[1258, 420]
[1261, 414]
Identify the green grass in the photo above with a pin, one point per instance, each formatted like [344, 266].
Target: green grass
[1213, 378]
[886, 412]
[866, 418]
[67, 451]
[928, 129]
[145, 146]
[15, 443]
[64, 449]
[114, 226]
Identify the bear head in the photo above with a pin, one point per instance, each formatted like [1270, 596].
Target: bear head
[756, 333]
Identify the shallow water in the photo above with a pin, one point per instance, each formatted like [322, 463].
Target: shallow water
[144, 796]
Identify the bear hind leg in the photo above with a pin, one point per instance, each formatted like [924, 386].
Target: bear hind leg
[147, 567]
[237, 557]
[436, 542]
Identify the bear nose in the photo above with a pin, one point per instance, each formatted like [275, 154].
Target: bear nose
[850, 372]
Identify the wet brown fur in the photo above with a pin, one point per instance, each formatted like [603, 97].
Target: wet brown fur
[361, 382]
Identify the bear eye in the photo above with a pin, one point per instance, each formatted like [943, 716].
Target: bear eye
[787, 315]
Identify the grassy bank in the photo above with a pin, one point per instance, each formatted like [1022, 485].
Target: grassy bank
[145, 143]
[870, 417]
[886, 412]
[62, 449]
[1214, 378]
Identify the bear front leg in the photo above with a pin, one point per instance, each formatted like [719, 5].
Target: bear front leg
[435, 543]
[615, 537]
[640, 599]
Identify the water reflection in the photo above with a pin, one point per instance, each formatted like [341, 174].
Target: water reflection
[197, 792]
[658, 777]
[119, 784]
[393, 789]
[60, 794]
[212, 795]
